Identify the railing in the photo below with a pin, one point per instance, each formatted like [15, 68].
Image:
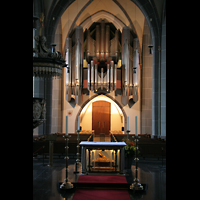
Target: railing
[113, 139]
[152, 150]
[90, 137]
[42, 153]
[149, 148]
[38, 149]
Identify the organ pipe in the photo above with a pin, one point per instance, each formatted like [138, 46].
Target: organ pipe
[97, 41]
[68, 60]
[107, 40]
[108, 68]
[92, 72]
[116, 43]
[88, 45]
[96, 75]
[78, 58]
[115, 74]
[102, 39]
[135, 62]
[111, 71]
[126, 52]
[101, 78]
[88, 76]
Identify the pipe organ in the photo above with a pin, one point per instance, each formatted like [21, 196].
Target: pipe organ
[101, 59]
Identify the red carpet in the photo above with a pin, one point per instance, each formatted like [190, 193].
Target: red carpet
[101, 179]
[101, 194]
[87, 194]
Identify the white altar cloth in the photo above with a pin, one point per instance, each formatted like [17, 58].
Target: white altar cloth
[87, 146]
[112, 144]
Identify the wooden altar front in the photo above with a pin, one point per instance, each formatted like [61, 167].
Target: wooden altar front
[102, 156]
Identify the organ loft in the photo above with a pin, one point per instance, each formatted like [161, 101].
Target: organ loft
[102, 60]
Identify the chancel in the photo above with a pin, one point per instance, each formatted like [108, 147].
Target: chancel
[99, 78]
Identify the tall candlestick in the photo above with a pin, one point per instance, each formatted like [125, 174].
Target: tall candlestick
[127, 123]
[136, 127]
[67, 125]
[78, 122]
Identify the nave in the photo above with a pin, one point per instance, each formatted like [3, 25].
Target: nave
[152, 172]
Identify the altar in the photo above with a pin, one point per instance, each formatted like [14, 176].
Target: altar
[102, 156]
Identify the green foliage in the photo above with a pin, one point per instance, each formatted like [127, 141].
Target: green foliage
[129, 148]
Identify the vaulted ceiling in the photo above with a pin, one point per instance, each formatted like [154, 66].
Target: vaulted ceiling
[121, 13]
[80, 14]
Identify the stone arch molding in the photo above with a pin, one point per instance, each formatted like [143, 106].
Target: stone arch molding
[90, 99]
[102, 14]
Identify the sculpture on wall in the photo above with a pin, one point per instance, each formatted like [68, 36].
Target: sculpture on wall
[39, 111]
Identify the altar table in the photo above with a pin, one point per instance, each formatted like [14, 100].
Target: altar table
[102, 156]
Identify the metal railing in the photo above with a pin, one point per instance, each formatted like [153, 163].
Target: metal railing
[113, 139]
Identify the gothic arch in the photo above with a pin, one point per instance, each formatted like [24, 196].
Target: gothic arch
[96, 95]
[102, 14]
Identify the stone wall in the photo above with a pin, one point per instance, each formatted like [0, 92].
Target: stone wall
[146, 79]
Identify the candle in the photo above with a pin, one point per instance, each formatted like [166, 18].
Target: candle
[136, 128]
[67, 125]
[78, 122]
[127, 123]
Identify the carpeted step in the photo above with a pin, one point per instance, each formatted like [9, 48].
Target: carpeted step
[102, 182]
[88, 194]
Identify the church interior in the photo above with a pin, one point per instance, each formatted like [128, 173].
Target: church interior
[99, 87]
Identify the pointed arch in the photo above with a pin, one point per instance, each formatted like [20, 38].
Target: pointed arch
[107, 98]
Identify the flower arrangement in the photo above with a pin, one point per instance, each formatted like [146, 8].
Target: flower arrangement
[129, 148]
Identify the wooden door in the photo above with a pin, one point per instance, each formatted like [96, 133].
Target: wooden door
[101, 117]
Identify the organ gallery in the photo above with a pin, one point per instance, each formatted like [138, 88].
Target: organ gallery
[101, 59]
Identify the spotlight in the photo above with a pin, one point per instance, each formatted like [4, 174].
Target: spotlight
[66, 65]
[150, 49]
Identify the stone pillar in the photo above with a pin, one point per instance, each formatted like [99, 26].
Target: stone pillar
[48, 96]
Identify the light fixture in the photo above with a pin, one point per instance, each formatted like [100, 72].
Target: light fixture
[67, 68]
[150, 49]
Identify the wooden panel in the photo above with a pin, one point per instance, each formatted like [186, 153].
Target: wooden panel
[101, 117]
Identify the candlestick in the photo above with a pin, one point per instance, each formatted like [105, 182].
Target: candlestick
[136, 127]
[67, 125]
[136, 185]
[78, 146]
[66, 185]
[127, 123]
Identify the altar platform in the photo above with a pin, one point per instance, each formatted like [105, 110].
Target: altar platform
[46, 179]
